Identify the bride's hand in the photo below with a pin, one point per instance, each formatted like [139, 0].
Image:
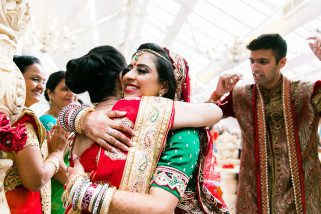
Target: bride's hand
[107, 132]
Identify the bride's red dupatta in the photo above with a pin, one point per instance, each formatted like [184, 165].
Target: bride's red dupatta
[151, 118]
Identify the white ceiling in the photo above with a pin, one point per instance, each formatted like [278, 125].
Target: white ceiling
[205, 32]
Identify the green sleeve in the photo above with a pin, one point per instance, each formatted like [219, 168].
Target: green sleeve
[178, 161]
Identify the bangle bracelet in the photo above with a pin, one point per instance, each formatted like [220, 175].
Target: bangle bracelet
[67, 116]
[214, 97]
[108, 197]
[55, 165]
[93, 198]
[81, 117]
[85, 200]
[98, 198]
[82, 194]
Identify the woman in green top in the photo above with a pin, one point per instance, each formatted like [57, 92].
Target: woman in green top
[58, 95]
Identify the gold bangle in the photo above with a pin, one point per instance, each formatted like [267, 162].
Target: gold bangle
[108, 197]
[80, 118]
[55, 164]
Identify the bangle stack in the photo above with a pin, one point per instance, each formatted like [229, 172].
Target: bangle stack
[80, 119]
[68, 115]
[214, 98]
[88, 196]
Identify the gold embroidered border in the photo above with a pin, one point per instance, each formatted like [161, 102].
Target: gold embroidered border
[289, 127]
[41, 131]
[263, 153]
[151, 129]
[172, 178]
[39, 135]
[317, 101]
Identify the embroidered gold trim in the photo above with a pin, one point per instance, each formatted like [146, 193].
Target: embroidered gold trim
[32, 137]
[263, 153]
[115, 156]
[317, 101]
[289, 128]
[12, 179]
[172, 178]
[151, 129]
[41, 131]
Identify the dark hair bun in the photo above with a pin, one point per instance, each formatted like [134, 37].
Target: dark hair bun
[95, 72]
[84, 73]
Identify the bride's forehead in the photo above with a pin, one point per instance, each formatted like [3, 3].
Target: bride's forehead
[143, 58]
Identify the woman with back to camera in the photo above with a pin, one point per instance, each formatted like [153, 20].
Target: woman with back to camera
[58, 95]
[172, 163]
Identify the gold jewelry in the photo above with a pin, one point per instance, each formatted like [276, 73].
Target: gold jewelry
[93, 197]
[109, 103]
[82, 194]
[55, 163]
[141, 51]
[81, 117]
[108, 197]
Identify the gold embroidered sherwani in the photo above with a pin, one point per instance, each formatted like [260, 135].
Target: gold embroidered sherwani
[280, 171]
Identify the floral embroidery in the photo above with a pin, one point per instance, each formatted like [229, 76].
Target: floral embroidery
[115, 156]
[12, 179]
[151, 128]
[172, 178]
[34, 138]
[188, 203]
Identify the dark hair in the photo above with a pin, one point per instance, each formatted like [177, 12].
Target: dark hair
[53, 80]
[24, 61]
[164, 68]
[96, 72]
[273, 42]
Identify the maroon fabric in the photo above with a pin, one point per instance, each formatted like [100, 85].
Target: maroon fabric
[256, 151]
[227, 105]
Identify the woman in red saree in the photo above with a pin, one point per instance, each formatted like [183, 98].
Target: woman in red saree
[27, 182]
[159, 169]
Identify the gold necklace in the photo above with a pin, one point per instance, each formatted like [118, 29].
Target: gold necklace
[106, 103]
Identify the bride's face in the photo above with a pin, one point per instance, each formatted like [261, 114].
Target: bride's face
[141, 78]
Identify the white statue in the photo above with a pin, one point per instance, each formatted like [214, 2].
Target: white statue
[227, 146]
[14, 18]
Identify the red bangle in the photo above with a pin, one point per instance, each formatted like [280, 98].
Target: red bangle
[214, 97]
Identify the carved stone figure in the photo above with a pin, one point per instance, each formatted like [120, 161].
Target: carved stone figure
[14, 18]
[13, 21]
